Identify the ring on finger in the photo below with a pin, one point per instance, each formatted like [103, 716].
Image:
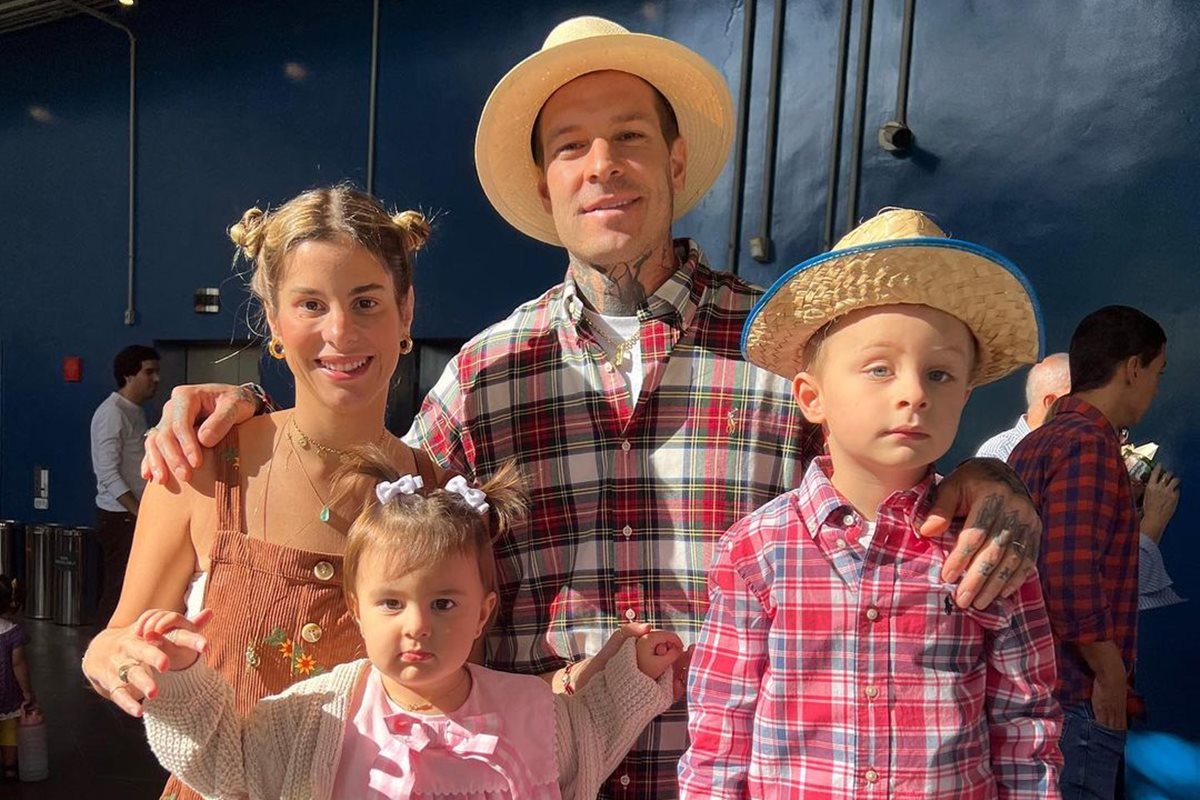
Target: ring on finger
[123, 671]
[1018, 545]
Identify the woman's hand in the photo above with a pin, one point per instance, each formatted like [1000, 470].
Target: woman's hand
[121, 665]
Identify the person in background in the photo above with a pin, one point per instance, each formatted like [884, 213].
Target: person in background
[118, 431]
[16, 686]
[1048, 380]
[1076, 474]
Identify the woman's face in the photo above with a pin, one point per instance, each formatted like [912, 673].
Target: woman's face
[338, 318]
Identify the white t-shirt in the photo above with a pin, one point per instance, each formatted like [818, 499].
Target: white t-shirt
[621, 329]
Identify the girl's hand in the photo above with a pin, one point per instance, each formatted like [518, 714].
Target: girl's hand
[178, 637]
[121, 665]
[657, 651]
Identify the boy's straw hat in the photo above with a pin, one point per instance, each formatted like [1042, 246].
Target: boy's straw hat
[900, 256]
[694, 88]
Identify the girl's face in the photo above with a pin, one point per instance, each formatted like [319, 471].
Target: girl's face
[419, 626]
[337, 315]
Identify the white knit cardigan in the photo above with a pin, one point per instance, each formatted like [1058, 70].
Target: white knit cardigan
[289, 746]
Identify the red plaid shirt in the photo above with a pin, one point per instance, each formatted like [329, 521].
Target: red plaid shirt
[629, 501]
[830, 670]
[1089, 557]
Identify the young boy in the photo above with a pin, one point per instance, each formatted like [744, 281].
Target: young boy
[833, 662]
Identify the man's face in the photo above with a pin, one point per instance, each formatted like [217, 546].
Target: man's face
[610, 177]
[1144, 386]
[144, 384]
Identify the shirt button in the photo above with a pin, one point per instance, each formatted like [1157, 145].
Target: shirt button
[871, 692]
[871, 776]
[872, 614]
[323, 570]
[630, 614]
[848, 519]
[311, 633]
[625, 446]
[624, 780]
[608, 367]
[841, 543]
[627, 531]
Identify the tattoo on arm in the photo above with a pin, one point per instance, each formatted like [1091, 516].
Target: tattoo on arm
[997, 471]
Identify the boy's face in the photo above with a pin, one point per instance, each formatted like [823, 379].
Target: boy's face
[889, 384]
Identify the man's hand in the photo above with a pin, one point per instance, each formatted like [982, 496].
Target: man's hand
[1159, 503]
[1108, 701]
[174, 446]
[997, 549]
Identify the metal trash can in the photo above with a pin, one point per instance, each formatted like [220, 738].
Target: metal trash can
[12, 548]
[39, 571]
[70, 560]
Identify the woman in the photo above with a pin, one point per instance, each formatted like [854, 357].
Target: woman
[254, 536]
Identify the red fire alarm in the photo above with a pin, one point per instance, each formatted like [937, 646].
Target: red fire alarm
[72, 369]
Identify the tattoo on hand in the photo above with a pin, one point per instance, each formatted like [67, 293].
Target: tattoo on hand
[986, 568]
[993, 504]
[1004, 574]
[997, 471]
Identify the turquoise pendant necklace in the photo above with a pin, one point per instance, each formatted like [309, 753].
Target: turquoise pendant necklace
[323, 515]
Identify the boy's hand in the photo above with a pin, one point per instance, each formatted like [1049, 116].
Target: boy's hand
[997, 550]
[175, 635]
[657, 651]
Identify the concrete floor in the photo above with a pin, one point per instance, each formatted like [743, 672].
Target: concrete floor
[96, 751]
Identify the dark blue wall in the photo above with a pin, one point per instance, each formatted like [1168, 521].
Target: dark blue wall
[1063, 134]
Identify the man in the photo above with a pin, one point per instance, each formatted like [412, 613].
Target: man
[118, 431]
[622, 392]
[1048, 380]
[1089, 561]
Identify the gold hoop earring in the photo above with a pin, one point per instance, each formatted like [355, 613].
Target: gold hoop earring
[275, 348]
[406, 346]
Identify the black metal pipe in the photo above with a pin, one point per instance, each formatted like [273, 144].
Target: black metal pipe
[374, 99]
[760, 246]
[130, 311]
[839, 109]
[739, 141]
[906, 46]
[860, 111]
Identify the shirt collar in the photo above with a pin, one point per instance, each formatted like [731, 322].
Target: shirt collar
[820, 502]
[674, 303]
[125, 402]
[1070, 404]
[1022, 426]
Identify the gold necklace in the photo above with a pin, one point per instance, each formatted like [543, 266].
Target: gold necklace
[307, 442]
[324, 513]
[429, 706]
[622, 349]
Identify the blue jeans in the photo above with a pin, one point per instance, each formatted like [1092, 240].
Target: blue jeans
[1091, 754]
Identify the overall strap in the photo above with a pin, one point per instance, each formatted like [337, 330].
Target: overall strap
[230, 511]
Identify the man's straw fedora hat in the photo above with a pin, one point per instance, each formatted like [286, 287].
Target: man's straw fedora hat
[899, 256]
[694, 88]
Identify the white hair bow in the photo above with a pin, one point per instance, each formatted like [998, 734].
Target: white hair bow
[475, 498]
[405, 484]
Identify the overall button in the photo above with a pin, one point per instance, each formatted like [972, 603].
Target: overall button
[872, 614]
[311, 633]
[323, 570]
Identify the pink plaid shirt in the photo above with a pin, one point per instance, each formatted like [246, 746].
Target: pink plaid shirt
[826, 670]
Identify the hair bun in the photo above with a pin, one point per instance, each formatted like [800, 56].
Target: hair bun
[247, 233]
[416, 229]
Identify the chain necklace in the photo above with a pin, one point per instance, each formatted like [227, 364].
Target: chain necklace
[309, 443]
[430, 706]
[623, 348]
[324, 513]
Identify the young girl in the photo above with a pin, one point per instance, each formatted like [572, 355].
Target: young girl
[414, 719]
[16, 691]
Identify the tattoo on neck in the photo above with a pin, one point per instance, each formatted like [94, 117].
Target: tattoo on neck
[620, 289]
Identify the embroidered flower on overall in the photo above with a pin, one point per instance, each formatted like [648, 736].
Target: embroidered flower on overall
[300, 663]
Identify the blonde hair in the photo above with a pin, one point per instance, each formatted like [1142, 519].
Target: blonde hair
[427, 526]
[334, 214]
